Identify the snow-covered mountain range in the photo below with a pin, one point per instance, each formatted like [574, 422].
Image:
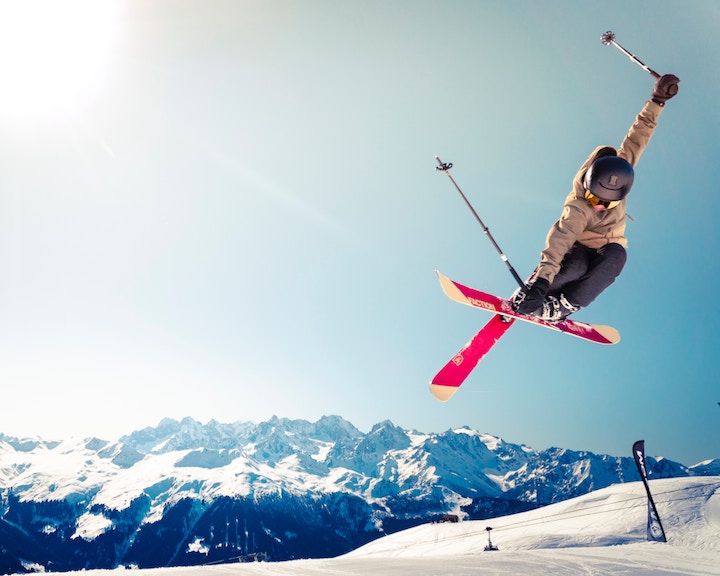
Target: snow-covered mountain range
[187, 493]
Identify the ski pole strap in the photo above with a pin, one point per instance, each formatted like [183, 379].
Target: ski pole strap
[445, 167]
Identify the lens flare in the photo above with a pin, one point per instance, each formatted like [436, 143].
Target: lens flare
[53, 55]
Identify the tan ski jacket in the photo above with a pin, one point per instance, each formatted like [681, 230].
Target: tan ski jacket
[579, 221]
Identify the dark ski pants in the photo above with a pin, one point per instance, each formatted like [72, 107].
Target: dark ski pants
[586, 272]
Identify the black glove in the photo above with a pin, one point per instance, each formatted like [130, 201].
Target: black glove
[665, 88]
[534, 297]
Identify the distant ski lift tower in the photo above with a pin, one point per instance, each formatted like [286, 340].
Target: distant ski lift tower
[489, 546]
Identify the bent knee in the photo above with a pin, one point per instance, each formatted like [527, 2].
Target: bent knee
[614, 256]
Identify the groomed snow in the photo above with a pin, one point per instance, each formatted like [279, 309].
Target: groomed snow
[601, 533]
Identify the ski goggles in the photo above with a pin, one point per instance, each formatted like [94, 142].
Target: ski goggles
[595, 201]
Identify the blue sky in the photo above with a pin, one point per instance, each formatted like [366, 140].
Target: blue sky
[229, 210]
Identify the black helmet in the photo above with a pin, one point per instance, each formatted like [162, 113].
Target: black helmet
[609, 178]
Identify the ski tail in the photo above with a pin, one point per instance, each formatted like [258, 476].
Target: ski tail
[443, 392]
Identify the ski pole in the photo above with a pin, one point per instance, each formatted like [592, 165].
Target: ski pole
[609, 38]
[445, 167]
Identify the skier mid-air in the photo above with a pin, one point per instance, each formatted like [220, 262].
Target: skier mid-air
[585, 249]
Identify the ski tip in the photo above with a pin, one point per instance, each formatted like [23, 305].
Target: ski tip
[450, 289]
[442, 393]
[609, 333]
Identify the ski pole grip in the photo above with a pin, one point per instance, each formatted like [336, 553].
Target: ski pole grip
[672, 89]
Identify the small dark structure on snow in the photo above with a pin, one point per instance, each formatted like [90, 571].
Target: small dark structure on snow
[489, 546]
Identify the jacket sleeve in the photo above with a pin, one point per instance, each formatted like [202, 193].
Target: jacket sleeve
[640, 133]
[561, 237]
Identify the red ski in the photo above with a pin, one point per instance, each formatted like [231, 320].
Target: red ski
[454, 373]
[449, 379]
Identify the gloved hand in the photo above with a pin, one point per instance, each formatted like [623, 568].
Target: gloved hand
[534, 297]
[665, 88]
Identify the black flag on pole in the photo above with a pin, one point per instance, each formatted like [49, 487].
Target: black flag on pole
[655, 530]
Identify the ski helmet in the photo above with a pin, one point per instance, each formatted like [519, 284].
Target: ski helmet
[609, 178]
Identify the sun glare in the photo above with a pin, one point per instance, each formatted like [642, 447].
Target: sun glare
[53, 54]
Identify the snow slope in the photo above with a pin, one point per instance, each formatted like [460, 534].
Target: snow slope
[601, 533]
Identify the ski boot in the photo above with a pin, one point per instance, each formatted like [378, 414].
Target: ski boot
[556, 309]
